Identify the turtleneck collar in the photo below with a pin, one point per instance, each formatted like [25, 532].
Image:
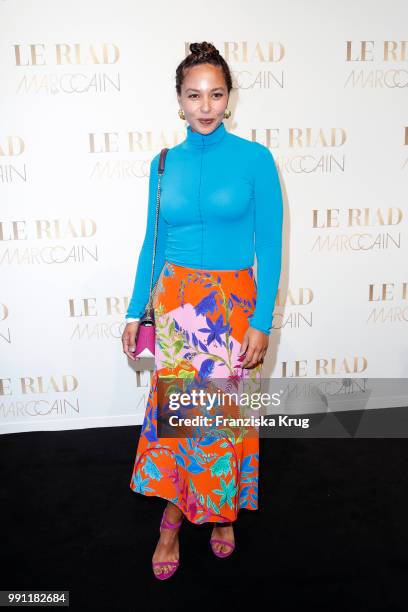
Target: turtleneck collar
[196, 139]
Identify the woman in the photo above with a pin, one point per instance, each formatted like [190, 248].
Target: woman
[221, 204]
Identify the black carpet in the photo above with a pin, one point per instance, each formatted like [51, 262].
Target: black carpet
[330, 532]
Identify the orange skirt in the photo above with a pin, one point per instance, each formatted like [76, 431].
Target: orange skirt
[201, 318]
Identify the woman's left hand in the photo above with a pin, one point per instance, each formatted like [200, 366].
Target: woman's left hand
[255, 343]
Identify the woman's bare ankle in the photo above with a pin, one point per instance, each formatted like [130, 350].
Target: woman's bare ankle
[173, 512]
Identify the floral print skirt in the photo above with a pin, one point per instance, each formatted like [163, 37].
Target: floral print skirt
[201, 317]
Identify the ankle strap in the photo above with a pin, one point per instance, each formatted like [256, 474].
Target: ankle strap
[166, 523]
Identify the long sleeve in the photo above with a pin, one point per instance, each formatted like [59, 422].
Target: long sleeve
[268, 238]
[140, 295]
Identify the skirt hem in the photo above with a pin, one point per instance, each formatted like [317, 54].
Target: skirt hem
[185, 515]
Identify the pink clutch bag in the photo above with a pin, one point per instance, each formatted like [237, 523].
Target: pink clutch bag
[146, 332]
[145, 340]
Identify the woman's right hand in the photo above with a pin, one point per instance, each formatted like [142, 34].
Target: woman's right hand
[129, 339]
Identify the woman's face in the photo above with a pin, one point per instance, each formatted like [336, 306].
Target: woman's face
[204, 95]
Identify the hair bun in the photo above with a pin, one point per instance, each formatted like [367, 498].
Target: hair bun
[202, 53]
[203, 49]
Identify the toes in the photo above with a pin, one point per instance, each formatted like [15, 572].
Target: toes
[216, 546]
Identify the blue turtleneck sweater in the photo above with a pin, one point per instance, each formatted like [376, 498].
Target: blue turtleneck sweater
[220, 204]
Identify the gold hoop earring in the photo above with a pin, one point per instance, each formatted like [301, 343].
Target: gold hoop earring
[181, 114]
[227, 114]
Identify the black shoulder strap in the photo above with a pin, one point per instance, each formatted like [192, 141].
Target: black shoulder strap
[162, 159]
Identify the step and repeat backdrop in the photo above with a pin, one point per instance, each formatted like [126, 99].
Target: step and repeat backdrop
[88, 99]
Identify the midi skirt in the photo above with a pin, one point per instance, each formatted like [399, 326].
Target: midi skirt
[201, 317]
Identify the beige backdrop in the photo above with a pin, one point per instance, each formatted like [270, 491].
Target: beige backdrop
[88, 98]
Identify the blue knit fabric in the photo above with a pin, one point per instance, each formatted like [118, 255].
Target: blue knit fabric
[221, 204]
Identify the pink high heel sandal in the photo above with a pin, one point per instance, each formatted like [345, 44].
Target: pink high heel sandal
[167, 525]
[219, 553]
